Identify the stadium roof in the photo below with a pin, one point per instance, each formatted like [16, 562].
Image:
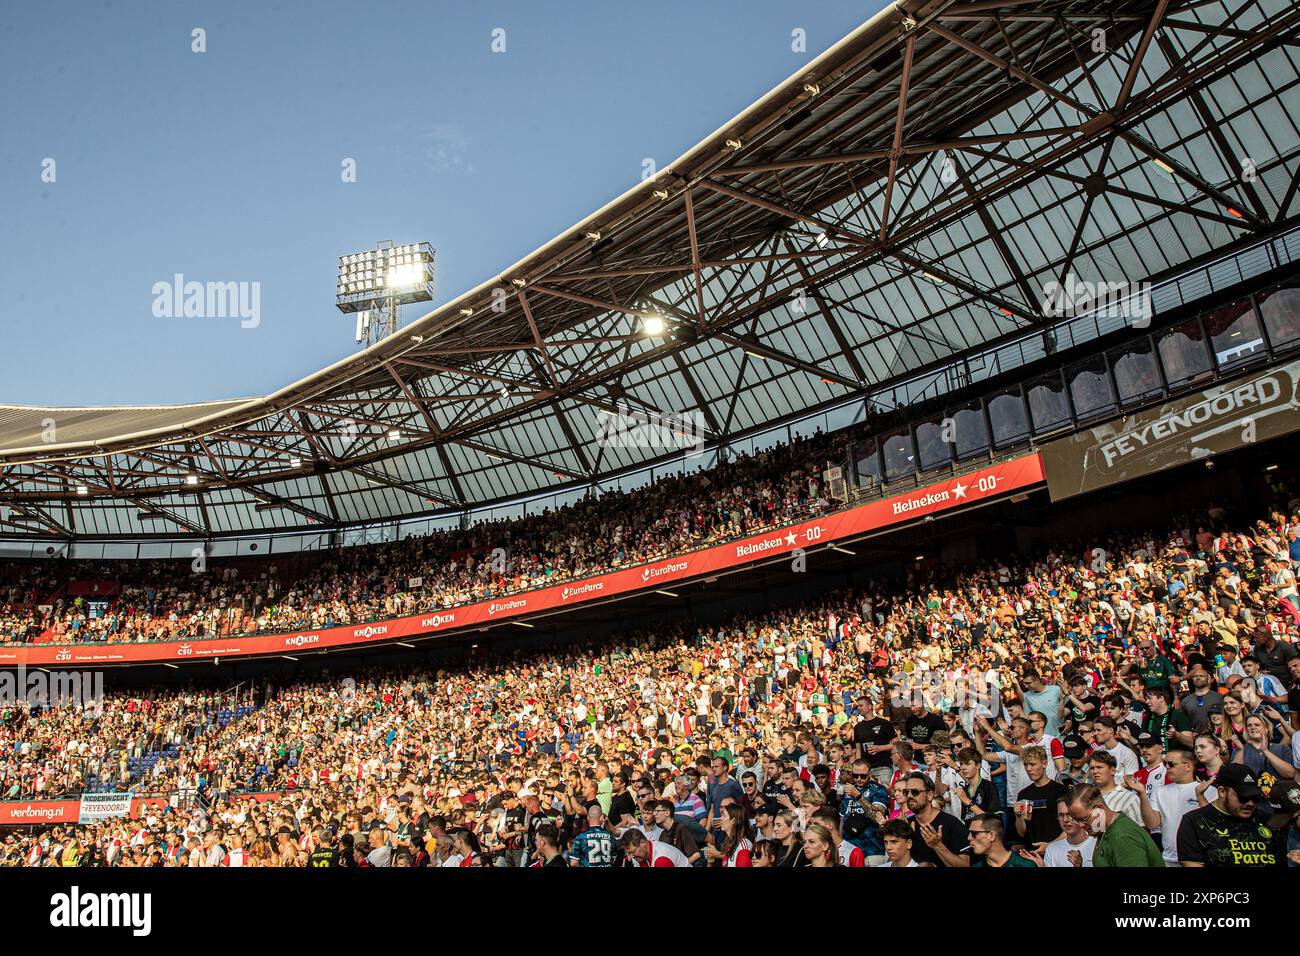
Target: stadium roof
[895, 207]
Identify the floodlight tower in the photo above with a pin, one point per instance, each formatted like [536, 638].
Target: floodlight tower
[375, 285]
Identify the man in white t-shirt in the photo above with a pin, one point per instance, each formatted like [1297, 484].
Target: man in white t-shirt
[1176, 796]
[897, 836]
[1075, 844]
[1105, 740]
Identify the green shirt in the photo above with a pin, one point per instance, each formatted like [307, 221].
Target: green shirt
[1126, 844]
[1015, 860]
[1157, 672]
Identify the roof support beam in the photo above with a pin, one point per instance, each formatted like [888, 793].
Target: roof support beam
[896, 151]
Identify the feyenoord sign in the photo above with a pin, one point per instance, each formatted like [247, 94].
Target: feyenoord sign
[1250, 409]
[104, 806]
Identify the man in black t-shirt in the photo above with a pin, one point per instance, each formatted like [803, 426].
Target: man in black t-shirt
[546, 847]
[536, 818]
[1227, 832]
[325, 854]
[937, 837]
[874, 735]
[921, 724]
[1035, 805]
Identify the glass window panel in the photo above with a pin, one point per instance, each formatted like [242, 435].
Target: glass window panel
[1090, 387]
[931, 448]
[899, 455]
[970, 431]
[1234, 334]
[1007, 416]
[1280, 309]
[868, 463]
[1047, 404]
[1183, 354]
[1137, 376]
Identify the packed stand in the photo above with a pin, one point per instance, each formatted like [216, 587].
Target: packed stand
[1119, 703]
[354, 585]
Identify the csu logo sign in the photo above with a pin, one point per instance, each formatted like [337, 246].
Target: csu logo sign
[64, 654]
[371, 630]
[184, 650]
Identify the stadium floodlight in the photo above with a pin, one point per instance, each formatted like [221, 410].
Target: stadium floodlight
[376, 284]
[653, 325]
[191, 480]
[82, 490]
[394, 435]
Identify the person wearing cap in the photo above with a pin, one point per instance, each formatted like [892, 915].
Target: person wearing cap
[1231, 666]
[1227, 832]
[1075, 749]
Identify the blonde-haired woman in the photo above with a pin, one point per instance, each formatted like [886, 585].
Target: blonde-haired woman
[789, 849]
[819, 846]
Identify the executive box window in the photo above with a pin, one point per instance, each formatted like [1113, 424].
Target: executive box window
[970, 432]
[868, 464]
[899, 455]
[1090, 387]
[931, 448]
[1234, 334]
[1007, 418]
[1047, 405]
[1137, 375]
[1280, 309]
[1183, 354]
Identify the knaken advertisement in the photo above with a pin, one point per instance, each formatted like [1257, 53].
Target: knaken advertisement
[950, 494]
[1251, 409]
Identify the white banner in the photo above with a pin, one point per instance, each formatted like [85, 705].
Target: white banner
[104, 806]
[415, 582]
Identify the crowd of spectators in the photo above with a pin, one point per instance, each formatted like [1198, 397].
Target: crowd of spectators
[1127, 702]
[151, 601]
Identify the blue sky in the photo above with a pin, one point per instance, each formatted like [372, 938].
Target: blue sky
[226, 165]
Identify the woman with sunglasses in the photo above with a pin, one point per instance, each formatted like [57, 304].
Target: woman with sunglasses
[765, 852]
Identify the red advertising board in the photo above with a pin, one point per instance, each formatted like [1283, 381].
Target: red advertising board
[39, 812]
[949, 495]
